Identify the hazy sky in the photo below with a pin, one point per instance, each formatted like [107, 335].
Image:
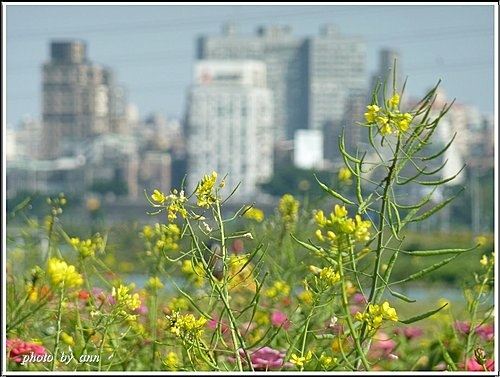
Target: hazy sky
[151, 47]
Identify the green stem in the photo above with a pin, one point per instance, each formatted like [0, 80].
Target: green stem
[58, 327]
[223, 292]
[153, 318]
[376, 293]
[473, 311]
[345, 305]
[101, 347]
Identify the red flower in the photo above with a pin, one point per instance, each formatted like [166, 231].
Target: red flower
[83, 295]
[17, 348]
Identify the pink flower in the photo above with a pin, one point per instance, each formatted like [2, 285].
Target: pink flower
[473, 366]
[485, 331]
[266, 358]
[462, 326]
[358, 298]
[143, 309]
[382, 345]
[213, 323]
[18, 348]
[279, 319]
[409, 332]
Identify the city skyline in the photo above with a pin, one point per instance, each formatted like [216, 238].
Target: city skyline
[158, 72]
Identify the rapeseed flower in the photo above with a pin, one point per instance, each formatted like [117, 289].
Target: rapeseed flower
[62, 274]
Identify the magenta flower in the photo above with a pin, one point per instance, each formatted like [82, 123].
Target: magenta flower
[485, 331]
[18, 348]
[213, 323]
[473, 366]
[358, 303]
[266, 358]
[358, 298]
[409, 332]
[143, 309]
[462, 326]
[280, 319]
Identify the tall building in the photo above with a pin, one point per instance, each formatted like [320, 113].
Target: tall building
[311, 78]
[229, 125]
[286, 61]
[80, 99]
[388, 58]
[336, 75]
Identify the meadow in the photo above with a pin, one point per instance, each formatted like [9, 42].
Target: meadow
[303, 288]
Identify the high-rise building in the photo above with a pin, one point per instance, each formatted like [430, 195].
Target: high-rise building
[313, 79]
[80, 99]
[336, 74]
[229, 125]
[286, 63]
[389, 63]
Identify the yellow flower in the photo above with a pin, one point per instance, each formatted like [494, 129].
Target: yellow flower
[88, 247]
[372, 113]
[204, 191]
[148, 232]
[375, 314]
[484, 260]
[480, 240]
[394, 101]
[122, 296]
[386, 128]
[320, 218]
[278, 289]
[344, 176]
[154, 282]
[361, 233]
[301, 360]
[388, 312]
[171, 361]
[289, 208]
[327, 361]
[178, 303]
[255, 214]
[186, 326]
[63, 275]
[319, 235]
[68, 339]
[306, 297]
[329, 276]
[158, 196]
[340, 211]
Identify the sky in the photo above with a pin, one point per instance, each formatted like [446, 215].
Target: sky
[151, 46]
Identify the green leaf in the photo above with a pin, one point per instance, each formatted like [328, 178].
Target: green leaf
[308, 246]
[414, 208]
[426, 270]
[440, 182]
[447, 357]
[436, 208]
[421, 316]
[332, 192]
[427, 253]
[434, 156]
[401, 296]
[325, 336]
[345, 154]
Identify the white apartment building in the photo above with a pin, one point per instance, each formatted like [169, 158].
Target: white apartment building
[229, 125]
